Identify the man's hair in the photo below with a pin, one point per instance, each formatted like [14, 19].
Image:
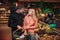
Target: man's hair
[19, 7]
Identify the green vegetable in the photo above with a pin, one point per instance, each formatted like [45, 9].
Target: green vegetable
[52, 25]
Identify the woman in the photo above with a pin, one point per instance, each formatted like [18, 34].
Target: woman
[30, 23]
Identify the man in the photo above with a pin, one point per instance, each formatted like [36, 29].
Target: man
[16, 19]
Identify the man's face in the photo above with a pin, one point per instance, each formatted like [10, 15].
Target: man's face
[20, 10]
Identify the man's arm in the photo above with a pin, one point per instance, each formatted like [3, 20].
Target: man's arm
[11, 22]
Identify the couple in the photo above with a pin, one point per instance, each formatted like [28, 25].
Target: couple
[26, 22]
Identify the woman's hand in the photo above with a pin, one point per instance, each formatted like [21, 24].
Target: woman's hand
[24, 28]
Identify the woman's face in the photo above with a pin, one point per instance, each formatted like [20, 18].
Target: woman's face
[31, 11]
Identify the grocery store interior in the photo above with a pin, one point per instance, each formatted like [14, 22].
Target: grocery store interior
[49, 27]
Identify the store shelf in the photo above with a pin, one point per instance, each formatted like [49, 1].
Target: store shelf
[3, 21]
[4, 14]
[39, 0]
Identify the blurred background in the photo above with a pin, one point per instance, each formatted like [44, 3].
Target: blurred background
[43, 8]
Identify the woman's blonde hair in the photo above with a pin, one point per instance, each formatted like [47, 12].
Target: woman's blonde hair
[32, 11]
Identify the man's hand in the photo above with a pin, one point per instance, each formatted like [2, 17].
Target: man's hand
[19, 27]
[25, 33]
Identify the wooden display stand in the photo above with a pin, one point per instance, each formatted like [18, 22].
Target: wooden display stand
[5, 33]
